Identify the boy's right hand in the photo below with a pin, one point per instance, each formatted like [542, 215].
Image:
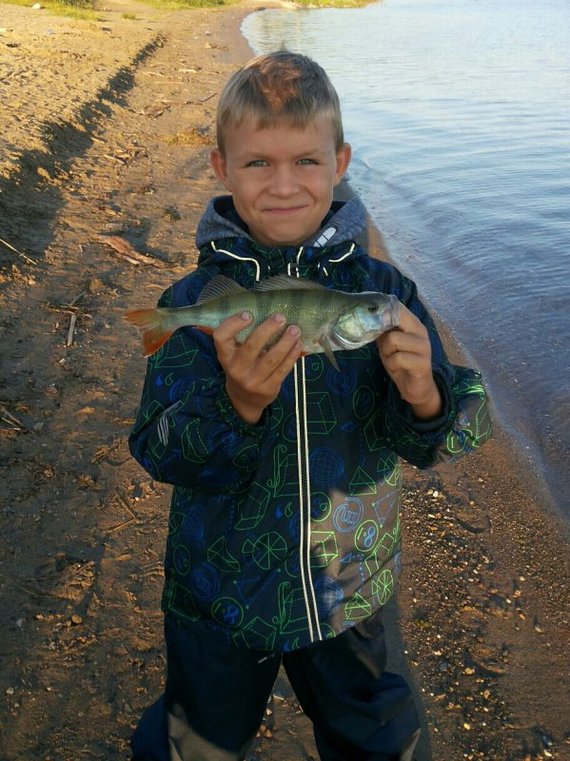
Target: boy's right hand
[254, 374]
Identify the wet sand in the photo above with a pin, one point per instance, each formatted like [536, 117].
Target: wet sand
[104, 174]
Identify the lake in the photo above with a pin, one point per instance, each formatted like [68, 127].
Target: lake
[459, 118]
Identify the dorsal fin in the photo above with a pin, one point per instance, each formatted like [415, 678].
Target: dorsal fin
[286, 282]
[220, 285]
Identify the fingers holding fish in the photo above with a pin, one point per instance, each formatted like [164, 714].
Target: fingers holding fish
[256, 368]
[406, 355]
[409, 338]
[229, 343]
[269, 352]
[228, 329]
[281, 357]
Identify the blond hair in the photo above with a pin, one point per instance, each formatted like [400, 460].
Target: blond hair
[279, 87]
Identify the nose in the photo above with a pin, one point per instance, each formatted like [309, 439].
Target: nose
[284, 182]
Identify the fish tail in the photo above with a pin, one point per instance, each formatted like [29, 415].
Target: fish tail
[154, 326]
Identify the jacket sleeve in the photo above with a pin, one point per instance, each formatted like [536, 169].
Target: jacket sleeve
[187, 432]
[464, 424]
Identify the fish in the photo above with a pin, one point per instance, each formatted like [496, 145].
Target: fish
[329, 320]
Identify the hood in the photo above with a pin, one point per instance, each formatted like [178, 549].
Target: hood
[345, 221]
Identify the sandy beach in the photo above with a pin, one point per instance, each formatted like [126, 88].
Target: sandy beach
[104, 173]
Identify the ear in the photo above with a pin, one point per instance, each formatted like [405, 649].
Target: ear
[218, 163]
[343, 156]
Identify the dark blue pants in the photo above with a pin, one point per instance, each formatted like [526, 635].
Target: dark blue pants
[216, 695]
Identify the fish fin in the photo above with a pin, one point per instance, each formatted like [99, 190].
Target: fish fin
[220, 285]
[286, 282]
[153, 326]
[327, 348]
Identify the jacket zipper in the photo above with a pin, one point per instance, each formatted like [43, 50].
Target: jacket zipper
[305, 496]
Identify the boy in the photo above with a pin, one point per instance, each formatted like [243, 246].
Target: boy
[284, 533]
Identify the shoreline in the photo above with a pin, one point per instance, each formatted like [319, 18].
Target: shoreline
[529, 402]
[481, 619]
[546, 471]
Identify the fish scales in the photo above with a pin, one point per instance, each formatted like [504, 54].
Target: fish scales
[311, 310]
[329, 320]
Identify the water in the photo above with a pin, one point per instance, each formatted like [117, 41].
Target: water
[459, 118]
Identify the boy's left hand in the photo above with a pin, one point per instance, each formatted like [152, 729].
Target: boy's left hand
[406, 355]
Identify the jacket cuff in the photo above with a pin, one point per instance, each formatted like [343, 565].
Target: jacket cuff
[234, 421]
[443, 422]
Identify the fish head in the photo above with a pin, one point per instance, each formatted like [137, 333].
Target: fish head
[366, 316]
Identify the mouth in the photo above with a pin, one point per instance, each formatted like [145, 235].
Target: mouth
[284, 210]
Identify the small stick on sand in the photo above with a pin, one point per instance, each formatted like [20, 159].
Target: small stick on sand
[124, 249]
[72, 321]
[13, 422]
[15, 250]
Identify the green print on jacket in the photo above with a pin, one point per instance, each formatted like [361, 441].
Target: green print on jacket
[288, 532]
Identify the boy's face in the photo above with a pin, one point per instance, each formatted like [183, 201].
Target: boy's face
[281, 177]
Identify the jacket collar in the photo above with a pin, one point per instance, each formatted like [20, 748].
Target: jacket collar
[222, 236]
[263, 262]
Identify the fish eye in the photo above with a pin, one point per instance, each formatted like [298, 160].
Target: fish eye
[373, 309]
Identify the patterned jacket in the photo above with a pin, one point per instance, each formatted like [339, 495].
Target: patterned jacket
[288, 532]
